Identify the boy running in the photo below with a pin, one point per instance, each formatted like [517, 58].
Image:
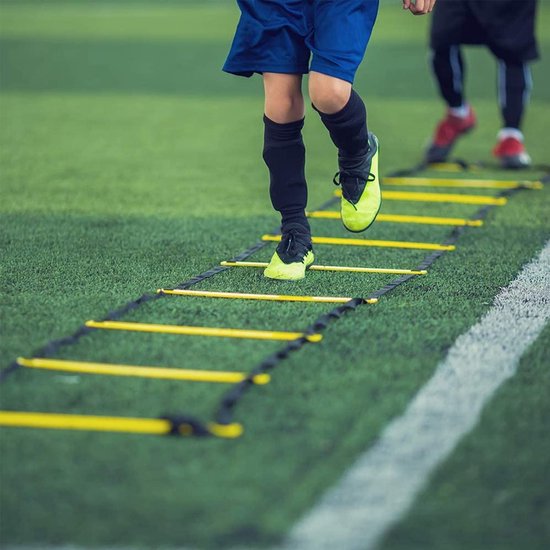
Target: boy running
[507, 28]
[276, 38]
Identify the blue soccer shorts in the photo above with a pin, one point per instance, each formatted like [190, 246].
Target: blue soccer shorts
[296, 36]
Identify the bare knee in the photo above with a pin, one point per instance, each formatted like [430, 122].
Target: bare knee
[328, 94]
[284, 101]
[285, 108]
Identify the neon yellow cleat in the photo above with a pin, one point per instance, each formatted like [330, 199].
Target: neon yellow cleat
[293, 255]
[361, 191]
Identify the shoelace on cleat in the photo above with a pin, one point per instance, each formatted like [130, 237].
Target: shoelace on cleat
[345, 185]
[294, 244]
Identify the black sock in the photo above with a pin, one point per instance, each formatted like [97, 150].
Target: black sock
[448, 67]
[348, 131]
[285, 155]
[514, 85]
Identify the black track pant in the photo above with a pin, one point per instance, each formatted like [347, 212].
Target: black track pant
[513, 83]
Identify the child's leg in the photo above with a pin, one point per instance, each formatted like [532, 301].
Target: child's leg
[328, 94]
[344, 114]
[284, 151]
[448, 68]
[514, 87]
[284, 101]
[284, 154]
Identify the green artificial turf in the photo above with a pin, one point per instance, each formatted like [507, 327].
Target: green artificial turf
[129, 162]
[477, 502]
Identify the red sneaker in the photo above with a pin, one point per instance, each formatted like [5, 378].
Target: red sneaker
[447, 132]
[511, 152]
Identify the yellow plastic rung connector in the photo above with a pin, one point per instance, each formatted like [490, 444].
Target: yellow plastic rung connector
[267, 297]
[439, 197]
[109, 369]
[341, 268]
[367, 242]
[148, 426]
[463, 183]
[401, 218]
[204, 331]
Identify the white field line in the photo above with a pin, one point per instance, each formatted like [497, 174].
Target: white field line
[380, 487]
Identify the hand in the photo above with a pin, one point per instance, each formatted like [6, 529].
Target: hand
[419, 7]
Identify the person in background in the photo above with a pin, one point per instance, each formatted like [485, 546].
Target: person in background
[507, 28]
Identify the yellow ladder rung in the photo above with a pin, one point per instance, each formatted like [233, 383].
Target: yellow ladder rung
[204, 331]
[452, 167]
[444, 197]
[367, 242]
[149, 426]
[267, 297]
[401, 218]
[439, 197]
[462, 183]
[339, 268]
[110, 369]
